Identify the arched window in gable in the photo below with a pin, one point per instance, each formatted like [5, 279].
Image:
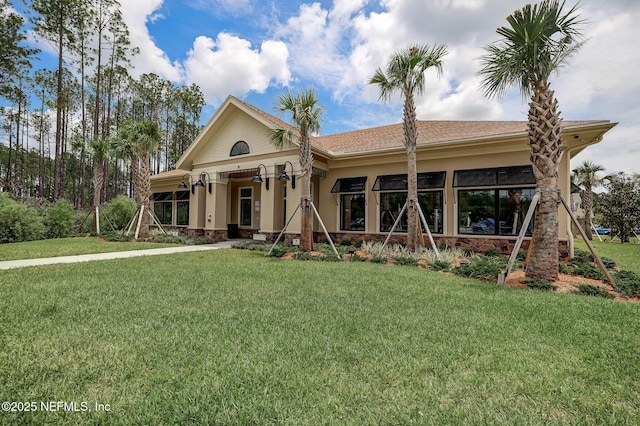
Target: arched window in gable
[239, 148]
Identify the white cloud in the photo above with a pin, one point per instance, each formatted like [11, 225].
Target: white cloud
[228, 65]
[151, 57]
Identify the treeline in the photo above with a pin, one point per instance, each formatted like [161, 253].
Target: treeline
[57, 126]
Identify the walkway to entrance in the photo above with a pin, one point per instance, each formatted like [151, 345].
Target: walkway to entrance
[11, 264]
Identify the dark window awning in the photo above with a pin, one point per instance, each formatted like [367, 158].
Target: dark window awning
[182, 195]
[356, 184]
[516, 175]
[427, 180]
[162, 196]
[237, 174]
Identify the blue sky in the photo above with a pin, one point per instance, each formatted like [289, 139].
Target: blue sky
[256, 49]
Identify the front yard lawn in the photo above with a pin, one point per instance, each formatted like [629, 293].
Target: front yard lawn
[233, 337]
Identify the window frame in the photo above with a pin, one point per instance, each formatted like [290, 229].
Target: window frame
[242, 198]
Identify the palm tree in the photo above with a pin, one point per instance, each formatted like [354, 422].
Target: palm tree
[306, 117]
[537, 42]
[586, 175]
[140, 139]
[100, 152]
[405, 73]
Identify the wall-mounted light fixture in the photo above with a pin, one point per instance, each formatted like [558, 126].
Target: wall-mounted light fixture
[258, 178]
[284, 176]
[183, 185]
[201, 182]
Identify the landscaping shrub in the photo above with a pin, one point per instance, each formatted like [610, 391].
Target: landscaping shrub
[581, 256]
[379, 259]
[282, 249]
[302, 255]
[194, 241]
[481, 267]
[593, 290]
[59, 220]
[405, 260]
[19, 222]
[355, 257]
[538, 284]
[167, 239]
[492, 252]
[627, 283]
[117, 237]
[120, 211]
[440, 265]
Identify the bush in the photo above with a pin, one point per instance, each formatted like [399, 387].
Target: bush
[116, 237]
[18, 222]
[194, 241]
[167, 239]
[59, 220]
[593, 290]
[538, 284]
[120, 211]
[440, 265]
[379, 259]
[405, 260]
[492, 252]
[627, 283]
[282, 249]
[481, 267]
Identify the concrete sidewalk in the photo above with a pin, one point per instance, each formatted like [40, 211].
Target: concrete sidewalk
[11, 264]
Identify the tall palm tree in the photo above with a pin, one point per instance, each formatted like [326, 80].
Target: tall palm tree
[537, 42]
[405, 74]
[305, 117]
[586, 175]
[141, 139]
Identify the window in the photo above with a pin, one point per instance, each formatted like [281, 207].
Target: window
[246, 207]
[352, 209]
[498, 210]
[182, 208]
[166, 210]
[494, 211]
[239, 148]
[163, 207]
[430, 198]
[352, 202]
[431, 203]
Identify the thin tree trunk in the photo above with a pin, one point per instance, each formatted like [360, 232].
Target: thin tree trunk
[588, 208]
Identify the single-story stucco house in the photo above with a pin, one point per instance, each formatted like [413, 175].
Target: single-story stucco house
[474, 177]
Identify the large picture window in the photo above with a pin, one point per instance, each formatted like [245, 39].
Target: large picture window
[170, 205]
[246, 207]
[493, 211]
[430, 198]
[391, 203]
[499, 210]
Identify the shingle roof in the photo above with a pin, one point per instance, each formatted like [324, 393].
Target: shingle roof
[391, 136]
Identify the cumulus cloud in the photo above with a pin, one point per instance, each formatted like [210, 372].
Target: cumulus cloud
[151, 59]
[229, 65]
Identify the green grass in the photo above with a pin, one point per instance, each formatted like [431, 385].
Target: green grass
[232, 337]
[68, 247]
[627, 256]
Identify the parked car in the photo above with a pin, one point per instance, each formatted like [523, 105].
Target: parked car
[603, 231]
[484, 226]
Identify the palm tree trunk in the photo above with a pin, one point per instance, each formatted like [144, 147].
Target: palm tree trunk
[545, 127]
[588, 208]
[306, 165]
[144, 192]
[411, 138]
